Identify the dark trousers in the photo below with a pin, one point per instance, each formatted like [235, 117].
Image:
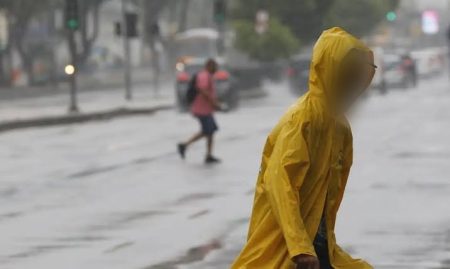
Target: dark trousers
[323, 255]
[321, 246]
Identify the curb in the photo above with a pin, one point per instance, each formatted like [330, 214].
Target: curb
[50, 121]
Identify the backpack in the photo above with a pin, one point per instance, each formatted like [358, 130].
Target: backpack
[192, 92]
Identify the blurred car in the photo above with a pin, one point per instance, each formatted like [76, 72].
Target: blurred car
[298, 74]
[394, 72]
[430, 62]
[187, 68]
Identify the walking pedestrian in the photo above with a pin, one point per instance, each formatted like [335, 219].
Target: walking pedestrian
[305, 165]
[204, 105]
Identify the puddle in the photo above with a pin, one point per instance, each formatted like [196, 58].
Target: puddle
[146, 160]
[39, 250]
[429, 185]
[446, 264]
[11, 215]
[119, 247]
[195, 254]
[8, 192]
[199, 214]
[199, 253]
[195, 197]
[422, 155]
[106, 169]
[416, 256]
[93, 171]
[140, 215]
[120, 220]
[82, 239]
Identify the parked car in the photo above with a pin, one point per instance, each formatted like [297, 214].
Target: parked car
[298, 74]
[395, 72]
[226, 92]
[430, 62]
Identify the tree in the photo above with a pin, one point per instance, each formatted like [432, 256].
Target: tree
[152, 35]
[277, 42]
[89, 27]
[307, 18]
[304, 18]
[355, 17]
[23, 12]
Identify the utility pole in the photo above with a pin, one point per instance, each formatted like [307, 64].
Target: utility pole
[72, 24]
[72, 71]
[126, 48]
[220, 15]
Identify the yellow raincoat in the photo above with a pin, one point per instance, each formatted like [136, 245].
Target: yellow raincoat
[305, 166]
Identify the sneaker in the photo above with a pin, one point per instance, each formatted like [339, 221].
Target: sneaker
[211, 160]
[182, 150]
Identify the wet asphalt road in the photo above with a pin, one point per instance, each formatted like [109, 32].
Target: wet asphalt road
[116, 195]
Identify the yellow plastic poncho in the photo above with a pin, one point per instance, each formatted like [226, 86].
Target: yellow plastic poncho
[305, 166]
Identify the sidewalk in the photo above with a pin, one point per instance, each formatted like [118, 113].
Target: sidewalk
[50, 107]
[94, 105]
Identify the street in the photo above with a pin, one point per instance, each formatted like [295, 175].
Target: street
[115, 194]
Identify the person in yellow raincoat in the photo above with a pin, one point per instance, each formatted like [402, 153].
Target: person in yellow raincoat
[305, 165]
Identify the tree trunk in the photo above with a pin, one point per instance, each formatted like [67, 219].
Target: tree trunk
[27, 60]
[182, 26]
[88, 38]
[28, 68]
[153, 9]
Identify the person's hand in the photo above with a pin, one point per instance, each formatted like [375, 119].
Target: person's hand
[304, 261]
[220, 107]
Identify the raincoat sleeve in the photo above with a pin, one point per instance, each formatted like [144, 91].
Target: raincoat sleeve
[284, 176]
[347, 164]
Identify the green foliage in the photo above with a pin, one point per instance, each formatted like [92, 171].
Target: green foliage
[307, 18]
[303, 17]
[277, 42]
[361, 18]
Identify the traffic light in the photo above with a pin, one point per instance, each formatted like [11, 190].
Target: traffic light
[391, 16]
[72, 16]
[220, 11]
[132, 24]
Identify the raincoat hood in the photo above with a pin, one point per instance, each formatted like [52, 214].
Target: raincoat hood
[329, 52]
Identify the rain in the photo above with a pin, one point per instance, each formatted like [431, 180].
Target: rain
[97, 170]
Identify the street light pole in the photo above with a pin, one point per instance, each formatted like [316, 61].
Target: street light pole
[72, 24]
[73, 108]
[126, 48]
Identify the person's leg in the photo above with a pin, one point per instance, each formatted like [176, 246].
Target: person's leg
[210, 129]
[210, 159]
[210, 145]
[183, 146]
[194, 139]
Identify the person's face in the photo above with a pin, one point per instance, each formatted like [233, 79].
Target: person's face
[355, 77]
[212, 67]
